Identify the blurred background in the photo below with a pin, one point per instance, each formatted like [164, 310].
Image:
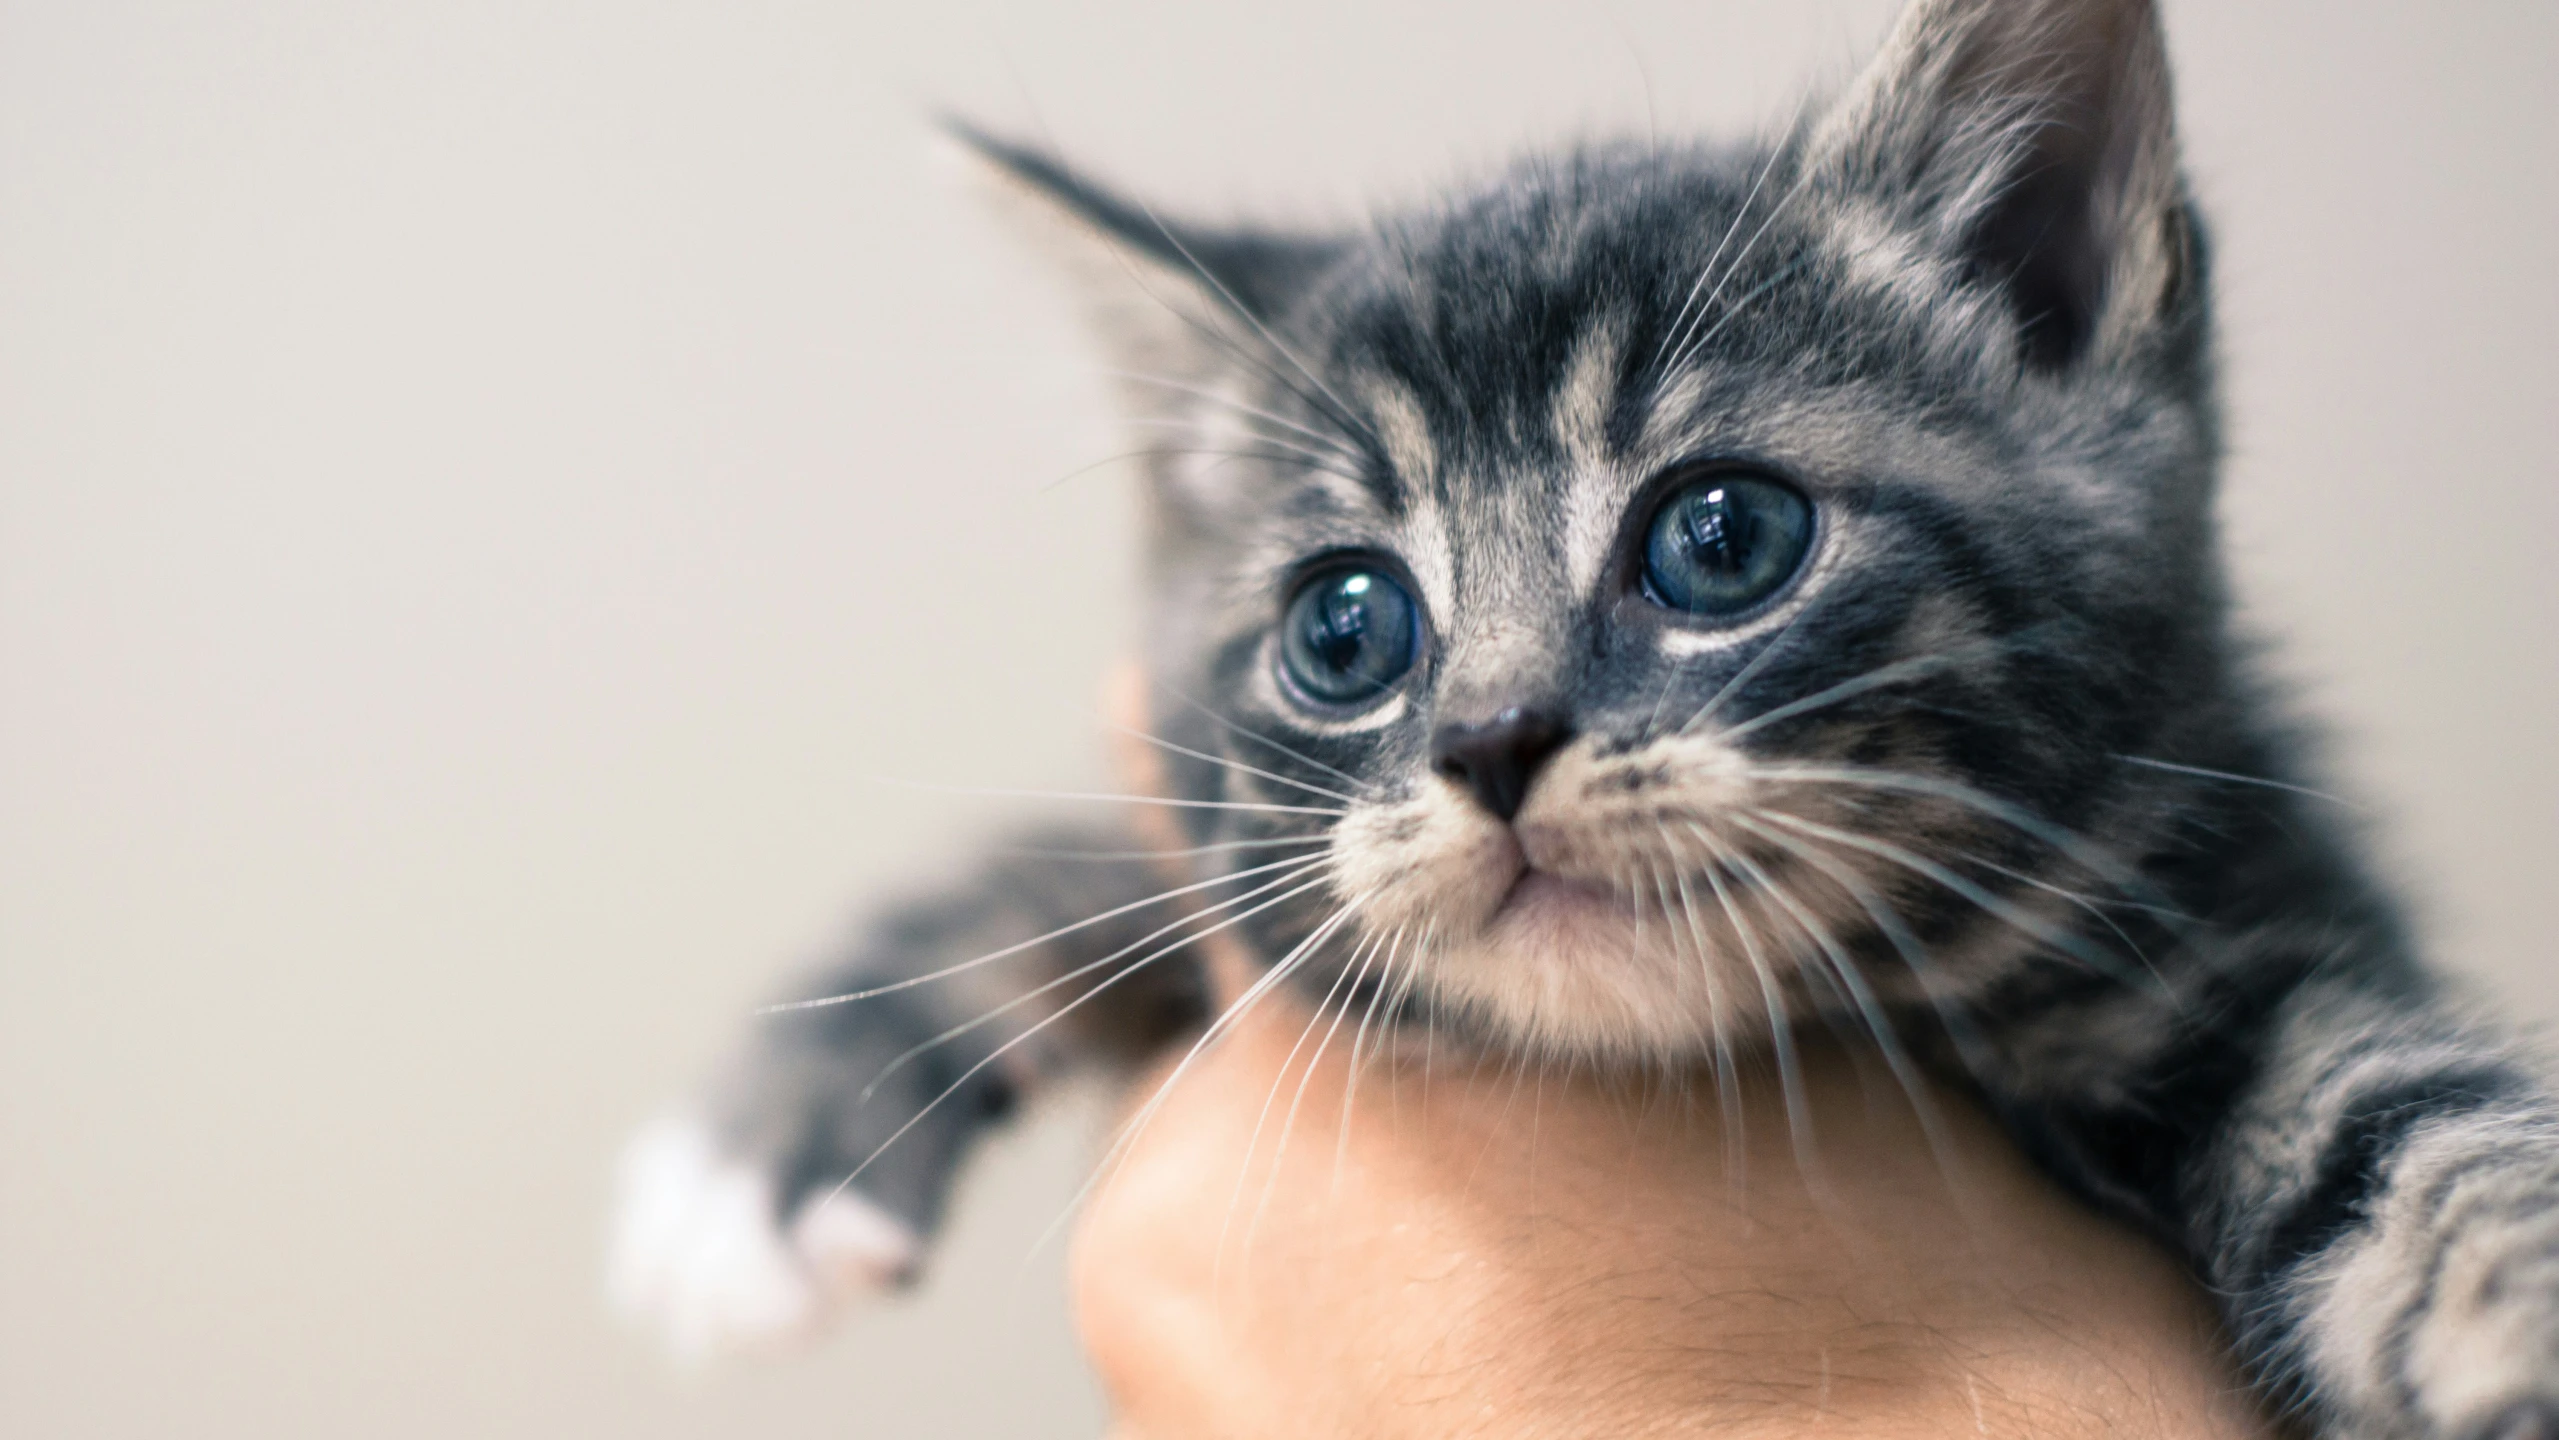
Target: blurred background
[485, 488]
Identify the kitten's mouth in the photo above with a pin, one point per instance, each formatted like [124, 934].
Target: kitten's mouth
[1543, 904]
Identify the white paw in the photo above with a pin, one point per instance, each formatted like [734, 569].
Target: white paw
[697, 1257]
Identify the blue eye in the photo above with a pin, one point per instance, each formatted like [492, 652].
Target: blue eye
[1725, 543]
[1348, 636]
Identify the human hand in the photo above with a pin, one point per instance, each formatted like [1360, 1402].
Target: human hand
[1486, 1251]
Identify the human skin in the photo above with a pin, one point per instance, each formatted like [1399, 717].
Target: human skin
[1463, 1248]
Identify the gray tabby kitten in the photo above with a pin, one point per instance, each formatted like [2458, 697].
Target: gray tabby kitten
[1666, 597]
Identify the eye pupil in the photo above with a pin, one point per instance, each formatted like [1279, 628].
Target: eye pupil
[1345, 627]
[1348, 636]
[1717, 531]
[1720, 546]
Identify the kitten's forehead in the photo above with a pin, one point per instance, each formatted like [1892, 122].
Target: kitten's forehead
[1479, 320]
[1499, 524]
[1487, 349]
[1624, 303]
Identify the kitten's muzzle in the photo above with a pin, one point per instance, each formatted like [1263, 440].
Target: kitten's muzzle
[1494, 760]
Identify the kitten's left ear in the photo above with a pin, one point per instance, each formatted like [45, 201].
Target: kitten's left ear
[1169, 298]
[2035, 137]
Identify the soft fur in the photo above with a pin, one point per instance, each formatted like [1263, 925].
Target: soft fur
[1988, 779]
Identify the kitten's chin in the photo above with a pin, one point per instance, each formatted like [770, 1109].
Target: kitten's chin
[1568, 967]
[1543, 909]
[1517, 929]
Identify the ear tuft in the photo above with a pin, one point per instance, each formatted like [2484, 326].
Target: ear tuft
[2036, 138]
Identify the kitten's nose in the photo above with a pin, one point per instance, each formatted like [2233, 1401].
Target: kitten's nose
[1498, 757]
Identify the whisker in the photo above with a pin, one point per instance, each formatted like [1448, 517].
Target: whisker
[1327, 455]
[1348, 423]
[1430, 1021]
[1322, 438]
[1869, 1009]
[787, 1006]
[2232, 777]
[1342, 413]
[1670, 682]
[989, 1017]
[1958, 793]
[1258, 738]
[1188, 852]
[1111, 798]
[1396, 996]
[1359, 1051]
[1261, 1121]
[2032, 926]
[1874, 679]
[1689, 350]
[1734, 311]
[1743, 676]
[1237, 765]
[1887, 920]
[1680, 322]
[1790, 1080]
[1720, 1059]
[1329, 405]
[1060, 1013]
[1175, 452]
[1889, 924]
[2086, 903]
[1125, 1143]
[1288, 1122]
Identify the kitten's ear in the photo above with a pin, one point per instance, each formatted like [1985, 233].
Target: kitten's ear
[2035, 137]
[1168, 298]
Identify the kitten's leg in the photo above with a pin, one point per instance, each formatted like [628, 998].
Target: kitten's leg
[737, 1226]
[2370, 1186]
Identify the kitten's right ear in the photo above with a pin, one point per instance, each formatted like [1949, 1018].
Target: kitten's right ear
[1168, 298]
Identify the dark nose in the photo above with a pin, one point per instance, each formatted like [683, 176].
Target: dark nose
[1497, 758]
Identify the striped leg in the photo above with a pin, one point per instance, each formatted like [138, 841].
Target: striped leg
[2371, 1187]
[2392, 1241]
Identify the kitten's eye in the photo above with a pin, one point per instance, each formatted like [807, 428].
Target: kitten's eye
[1725, 543]
[1349, 635]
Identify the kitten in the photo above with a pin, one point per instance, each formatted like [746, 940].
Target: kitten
[1668, 596]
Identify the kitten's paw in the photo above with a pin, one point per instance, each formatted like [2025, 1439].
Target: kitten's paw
[2480, 1349]
[854, 1246]
[701, 1256]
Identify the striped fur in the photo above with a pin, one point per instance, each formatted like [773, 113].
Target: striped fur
[1989, 778]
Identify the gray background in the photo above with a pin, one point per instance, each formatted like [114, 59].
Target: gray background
[485, 488]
